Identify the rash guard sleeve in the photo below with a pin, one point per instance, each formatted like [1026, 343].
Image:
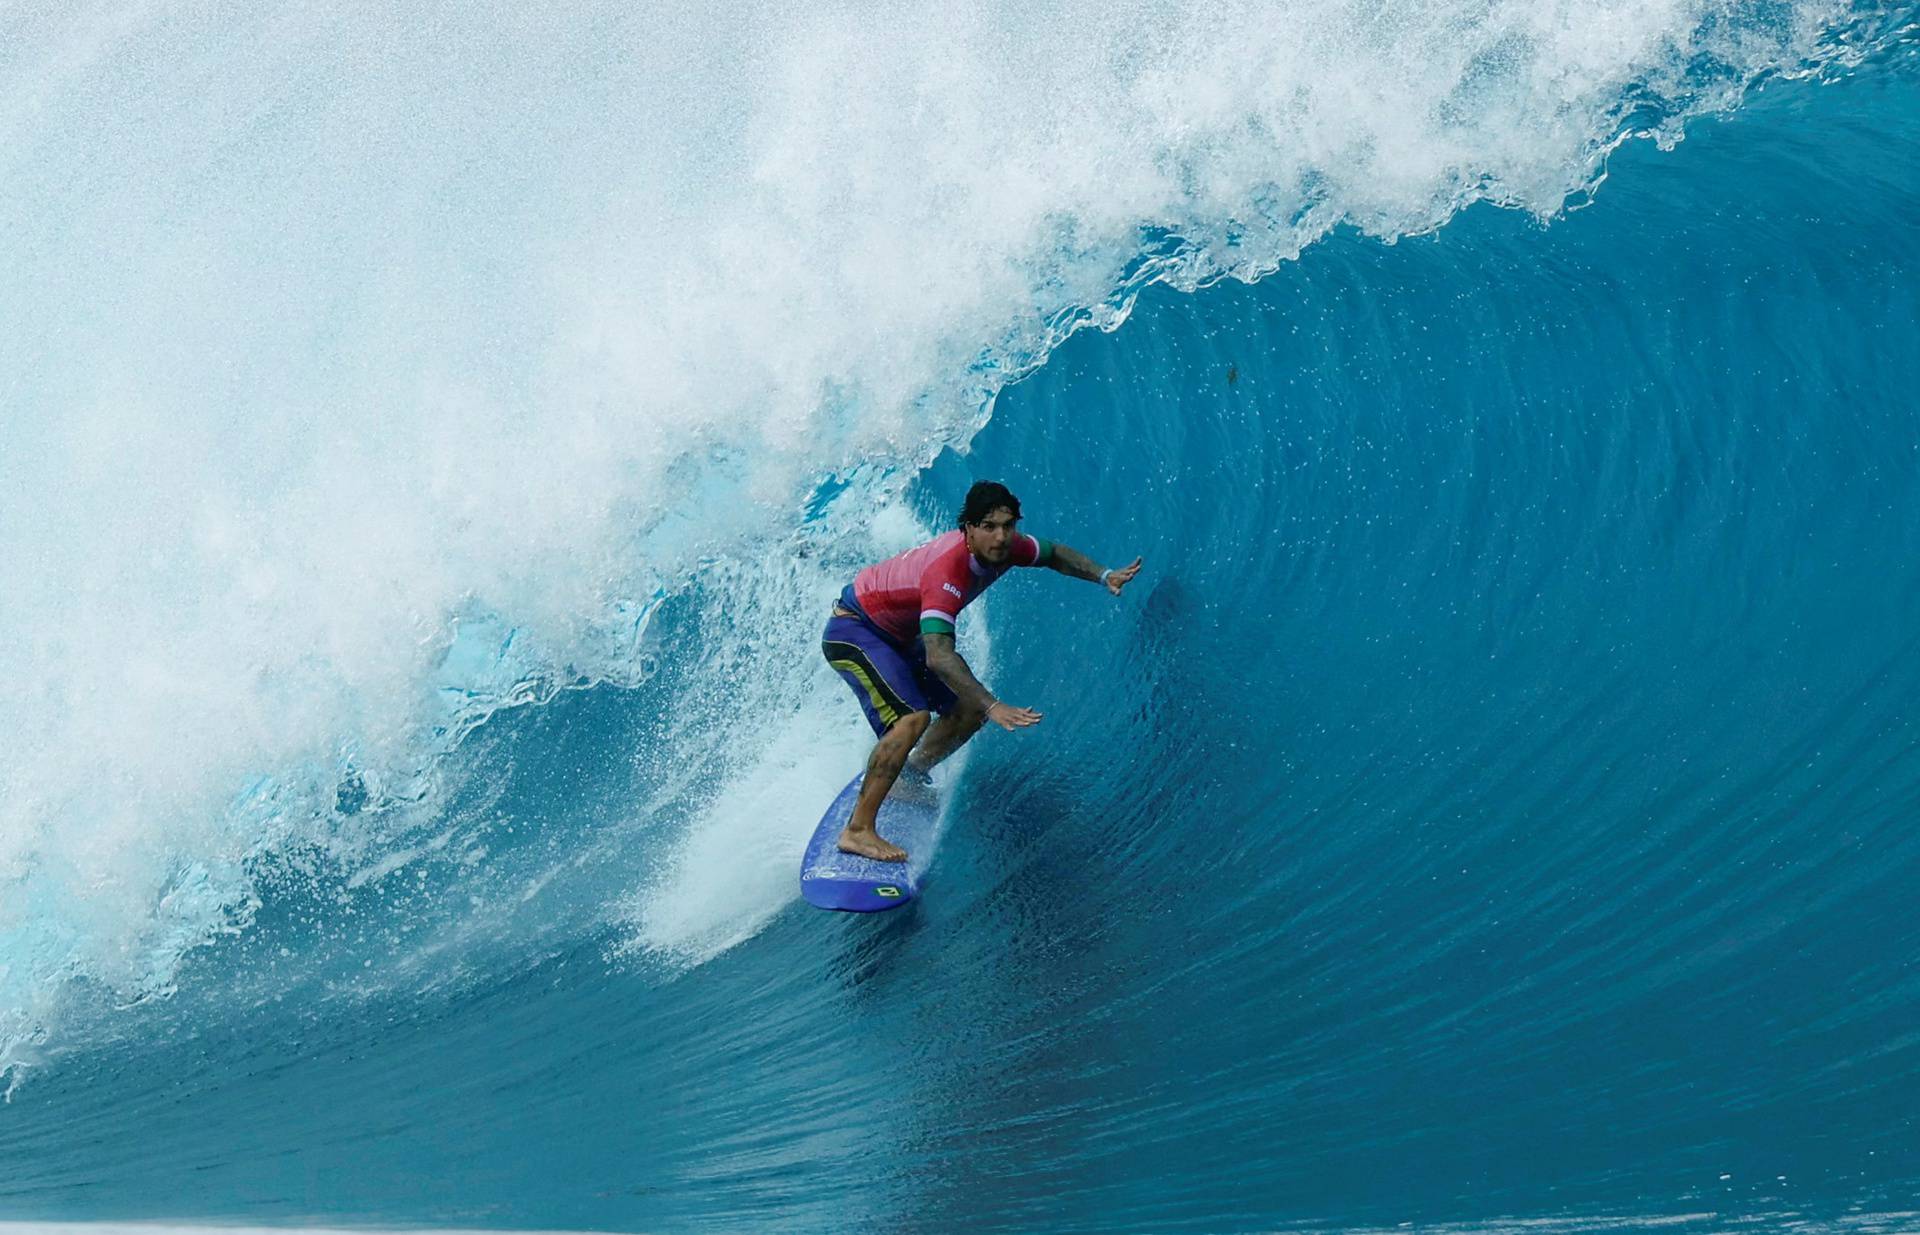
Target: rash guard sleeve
[941, 596]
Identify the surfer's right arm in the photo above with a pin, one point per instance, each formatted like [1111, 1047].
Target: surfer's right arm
[944, 659]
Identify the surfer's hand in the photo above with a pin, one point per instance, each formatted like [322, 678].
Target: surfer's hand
[1007, 716]
[1117, 579]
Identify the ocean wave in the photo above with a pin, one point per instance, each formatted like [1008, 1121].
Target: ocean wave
[431, 362]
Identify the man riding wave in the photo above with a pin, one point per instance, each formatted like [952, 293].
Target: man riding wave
[891, 638]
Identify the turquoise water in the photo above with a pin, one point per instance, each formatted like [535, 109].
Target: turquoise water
[430, 451]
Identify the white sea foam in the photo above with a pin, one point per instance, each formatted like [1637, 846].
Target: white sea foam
[333, 331]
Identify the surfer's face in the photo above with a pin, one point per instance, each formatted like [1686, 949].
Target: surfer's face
[991, 539]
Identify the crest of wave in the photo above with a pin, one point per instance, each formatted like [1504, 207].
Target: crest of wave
[335, 331]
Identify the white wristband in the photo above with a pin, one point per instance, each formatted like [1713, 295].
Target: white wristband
[1103, 576]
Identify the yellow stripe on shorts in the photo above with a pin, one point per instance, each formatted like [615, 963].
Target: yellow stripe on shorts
[880, 705]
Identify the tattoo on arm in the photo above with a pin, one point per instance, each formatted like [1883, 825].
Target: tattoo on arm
[1070, 561]
[944, 660]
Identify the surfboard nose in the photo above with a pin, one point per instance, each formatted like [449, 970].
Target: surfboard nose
[826, 890]
[831, 879]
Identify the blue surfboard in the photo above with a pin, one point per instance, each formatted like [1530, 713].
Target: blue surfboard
[831, 879]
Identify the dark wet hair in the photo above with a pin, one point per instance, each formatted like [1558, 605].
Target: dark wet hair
[984, 498]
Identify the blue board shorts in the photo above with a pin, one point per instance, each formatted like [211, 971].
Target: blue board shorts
[888, 680]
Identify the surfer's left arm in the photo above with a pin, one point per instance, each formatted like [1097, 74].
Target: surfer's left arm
[1070, 561]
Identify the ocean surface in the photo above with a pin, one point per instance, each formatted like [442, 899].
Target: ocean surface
[431, 437]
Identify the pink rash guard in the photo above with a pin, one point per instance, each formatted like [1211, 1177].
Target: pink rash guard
[923, 590]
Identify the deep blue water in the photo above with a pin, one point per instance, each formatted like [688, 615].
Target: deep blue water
[1494, 800]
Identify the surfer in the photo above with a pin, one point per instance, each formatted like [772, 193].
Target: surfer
[891, 638]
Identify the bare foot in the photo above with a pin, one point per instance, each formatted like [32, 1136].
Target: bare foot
[868, 844]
